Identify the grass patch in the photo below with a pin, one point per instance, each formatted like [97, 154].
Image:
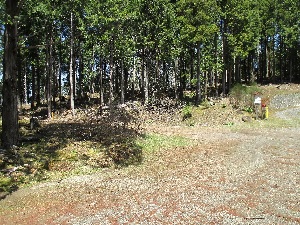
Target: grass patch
[272, 122]
[154, 142]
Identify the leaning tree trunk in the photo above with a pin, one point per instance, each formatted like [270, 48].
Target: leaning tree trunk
[10, 126]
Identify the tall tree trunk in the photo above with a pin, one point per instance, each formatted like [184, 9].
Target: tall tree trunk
[49, 77]
[10, 126]
[237, 69]
[274, 59]
[229, 77]
[144, 78]
[60, 71]
[33, 86]
[267, 60]
[292, 56]
[21, 87]
[225, 56]
[80, 76]
[37, 91]
[205, 85]
[198, 88]
[111, 76]
[71, 81]
[181, 77]
[101, 83]
[122, 83]
[191, 70]
[165, 74]
[146, 84]
[25, 85]
[59, 76]
[280, 60]
[216, 72]
[176, 79]
[134, 73]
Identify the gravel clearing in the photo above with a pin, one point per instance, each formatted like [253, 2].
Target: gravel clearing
[285, 101]
[244, 176]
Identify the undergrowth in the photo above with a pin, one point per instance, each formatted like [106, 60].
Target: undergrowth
[63, 148]
[242, 96]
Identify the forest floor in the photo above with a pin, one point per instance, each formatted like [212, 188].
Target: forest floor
[210, 169]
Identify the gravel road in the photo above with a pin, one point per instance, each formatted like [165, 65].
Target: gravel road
[244, 176]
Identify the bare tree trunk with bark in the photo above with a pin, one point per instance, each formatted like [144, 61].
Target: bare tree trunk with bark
[10, 126]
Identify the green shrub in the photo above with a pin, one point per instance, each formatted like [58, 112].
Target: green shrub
[242, 96]
[186, 112]
[5, 184]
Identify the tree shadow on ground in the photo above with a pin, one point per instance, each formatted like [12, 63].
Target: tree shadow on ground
[112, 134]
[90, 139]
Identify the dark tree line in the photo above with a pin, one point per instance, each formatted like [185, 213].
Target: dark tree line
[120, 50]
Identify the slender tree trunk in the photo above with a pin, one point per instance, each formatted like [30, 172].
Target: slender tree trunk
[54, 84]
[198, 88]
[10, 126]
[237, 70]
[166, 77]
[192, 55]
[267, 60]
[111, 77]
[33, 86]
[59, 77]
[280, 60]
[122, 83]
[205, 84]
[134, 72]
[157, 78]
[176, 79]
[72, 105]
[37, 91]
[181, 77]
[225, 56]
[142, 83]
[216, 84]
[216, 70]
[59, 72]
[274, 60]
[250, 67]
[144, 78]
[101, 83]
[146, 85]
[25, 85]
[229, 77]
[21, 86]
[291, 58]
[80, 76]
[49, 78]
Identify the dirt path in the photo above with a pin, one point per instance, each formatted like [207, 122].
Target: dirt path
[249, 176]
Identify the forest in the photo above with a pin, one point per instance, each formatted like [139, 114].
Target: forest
[113, 51]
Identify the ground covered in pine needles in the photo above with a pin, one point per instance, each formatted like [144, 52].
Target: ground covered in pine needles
[164, 164]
